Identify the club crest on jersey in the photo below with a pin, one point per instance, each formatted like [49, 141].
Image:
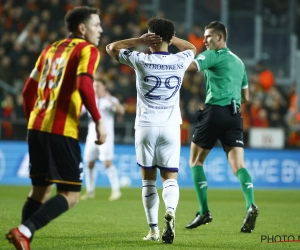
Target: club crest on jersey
[127, 52]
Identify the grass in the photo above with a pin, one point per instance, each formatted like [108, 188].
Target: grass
[100, 224]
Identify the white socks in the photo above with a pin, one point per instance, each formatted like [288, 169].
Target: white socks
[90, 179]
[91, 176]
[25, 230]
[112, 174]
[151, 203]
[170, 194]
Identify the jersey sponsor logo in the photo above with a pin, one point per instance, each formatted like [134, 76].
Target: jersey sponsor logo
[201, 57]
[249, 185]
[202, 184]
[127, 52]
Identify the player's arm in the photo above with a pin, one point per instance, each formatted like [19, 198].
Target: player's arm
[87, 94]
[89, 60]
[193, 67]
[245, 95]
[30, 91]
[245, 88]
[120, 109]
[183, 44]
[148, 39]
[117, 106]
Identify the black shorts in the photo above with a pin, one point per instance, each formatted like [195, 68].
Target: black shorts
[217, 122]
[55, 159]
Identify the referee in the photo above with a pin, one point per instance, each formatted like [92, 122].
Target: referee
[226, 89]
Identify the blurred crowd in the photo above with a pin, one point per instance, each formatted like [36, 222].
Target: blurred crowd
[28, 26]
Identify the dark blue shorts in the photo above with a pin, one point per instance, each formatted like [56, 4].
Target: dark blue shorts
[55, 159]
[218, 123]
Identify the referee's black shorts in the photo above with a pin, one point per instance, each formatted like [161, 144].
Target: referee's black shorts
[217, 122]
[55, 159]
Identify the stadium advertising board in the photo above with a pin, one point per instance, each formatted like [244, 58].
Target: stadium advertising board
[270, 169]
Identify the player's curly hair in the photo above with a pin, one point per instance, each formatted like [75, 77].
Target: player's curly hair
[79, 15]
[218, 27]
[162, 27]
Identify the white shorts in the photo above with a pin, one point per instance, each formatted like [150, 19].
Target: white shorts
[158, 147]
[104, 152]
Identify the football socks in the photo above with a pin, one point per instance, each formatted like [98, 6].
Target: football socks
[247, 186]
[170, 194]
[112, 174]
[47, 212]
[200, 184]
[29, 208]
[151, 202]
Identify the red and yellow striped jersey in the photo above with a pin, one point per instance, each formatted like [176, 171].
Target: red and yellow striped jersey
[58, 104]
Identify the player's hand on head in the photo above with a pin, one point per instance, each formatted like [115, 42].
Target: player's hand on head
[149, 39]
[171, 40]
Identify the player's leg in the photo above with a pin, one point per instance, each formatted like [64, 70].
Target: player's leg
[232, 141]
[150, 200]
[170, 192]
[36, 198]
[90, 156]
[145, 141]
[170, 195]
[167, 154]
[204, 138]
[235, 157]
[113, 177]
[197, 157]
[50, 210]
[41, 190]
[106, 156]
[39, 193]
[90, 180]
[59, 159]
[64, 166]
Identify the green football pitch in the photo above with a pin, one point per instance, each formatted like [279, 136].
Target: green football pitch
[100, 224]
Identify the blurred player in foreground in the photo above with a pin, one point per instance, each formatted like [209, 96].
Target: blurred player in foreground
[53, 95]
[226, 89]
[107, 105]
[157, 125]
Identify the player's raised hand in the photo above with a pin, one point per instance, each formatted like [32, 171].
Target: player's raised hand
[171, 40]
[101, 132]
[149, 39]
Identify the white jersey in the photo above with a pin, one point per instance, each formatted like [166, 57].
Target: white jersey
[107, 111]
[158, 81]
[105, 151]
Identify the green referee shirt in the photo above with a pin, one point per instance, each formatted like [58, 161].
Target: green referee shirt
[225, 75]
